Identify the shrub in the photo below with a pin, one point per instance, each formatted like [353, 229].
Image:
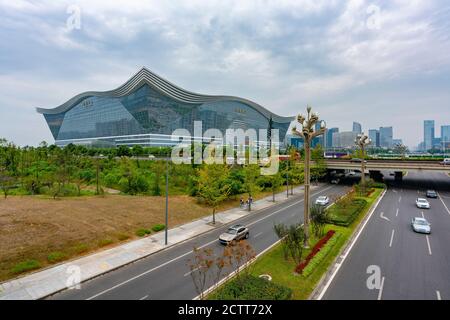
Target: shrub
[344, 216]
[252, 288]
[158, 227]
[56, 257]
[26, 266]
[319, 245]
[143, 232]
[320, 256]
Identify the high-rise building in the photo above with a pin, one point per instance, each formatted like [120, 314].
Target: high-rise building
[445, 134]
[344, 140]
[357, 127]
[329, 140]
[374, 135]
[386, 137]
[428, 134]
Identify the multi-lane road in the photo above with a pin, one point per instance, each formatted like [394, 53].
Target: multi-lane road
[412, 266]
[165, 275]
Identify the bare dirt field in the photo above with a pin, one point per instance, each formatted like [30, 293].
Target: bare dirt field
[42, 231]
[31, 228]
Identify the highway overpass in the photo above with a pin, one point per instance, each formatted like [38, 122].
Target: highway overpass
[388, 165]
[375, 167]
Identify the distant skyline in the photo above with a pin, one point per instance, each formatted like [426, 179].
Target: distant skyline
[380, 63]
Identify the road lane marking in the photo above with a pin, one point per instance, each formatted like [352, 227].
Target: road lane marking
[392, 238]
[190, 272]
[400, 199]
[438, 295]
[257, 235]
[143, 298]
[429, 247]
[423, 216]
[190, 252]
[380, 294]
[383, 217]
[396, 214]
[345, 255]
[446, 208]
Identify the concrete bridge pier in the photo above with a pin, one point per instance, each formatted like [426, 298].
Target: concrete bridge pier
[376, 176]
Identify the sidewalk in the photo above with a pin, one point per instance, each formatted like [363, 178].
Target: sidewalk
[51, 280]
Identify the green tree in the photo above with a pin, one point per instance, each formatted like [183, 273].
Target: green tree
[213, 185]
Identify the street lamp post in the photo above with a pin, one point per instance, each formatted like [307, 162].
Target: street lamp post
[308, 134]
[362, 140]
[166, 235]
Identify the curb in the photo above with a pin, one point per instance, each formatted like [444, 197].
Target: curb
[328, 277]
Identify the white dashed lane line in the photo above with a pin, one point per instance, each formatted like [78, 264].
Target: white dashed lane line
[392, 239]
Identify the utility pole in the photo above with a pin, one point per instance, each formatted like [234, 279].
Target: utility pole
[308, 134]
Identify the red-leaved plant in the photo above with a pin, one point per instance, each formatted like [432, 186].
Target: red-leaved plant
[319, 245]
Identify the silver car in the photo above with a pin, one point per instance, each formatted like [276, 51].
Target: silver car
[422, 203]
[234, 233]
[421, 225]
[322, 201]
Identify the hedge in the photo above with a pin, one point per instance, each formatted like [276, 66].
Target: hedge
[345, 217]
[317, 248]
[319, 257]
[248, 287]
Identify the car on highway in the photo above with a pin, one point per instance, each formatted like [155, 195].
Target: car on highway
[234, 233]
[422, 203]
[446, 162]
[322, 201]
[335, 181]
[421, 225]
[357, 160]
[432, 194]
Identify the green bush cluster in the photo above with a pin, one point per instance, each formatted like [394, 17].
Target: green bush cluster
[158, 227]
[143, 232]
[26, 266]
[318, 258]
[249, 287]
[345, 216]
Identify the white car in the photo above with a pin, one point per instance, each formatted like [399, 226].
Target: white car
[422, 203]
[322, 201]
[421, 225]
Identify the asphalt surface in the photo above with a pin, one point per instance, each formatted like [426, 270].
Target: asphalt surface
[413, 266]
[165, 275]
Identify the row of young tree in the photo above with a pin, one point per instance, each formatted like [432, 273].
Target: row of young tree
[77, 170]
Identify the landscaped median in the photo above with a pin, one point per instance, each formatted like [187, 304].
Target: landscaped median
[300, 279]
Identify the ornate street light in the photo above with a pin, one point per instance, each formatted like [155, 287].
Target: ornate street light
[308, 134]
[362, 140]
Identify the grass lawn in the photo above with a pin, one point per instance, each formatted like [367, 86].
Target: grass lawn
[282, 271]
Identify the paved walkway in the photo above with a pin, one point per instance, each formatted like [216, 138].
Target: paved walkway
[54, 279]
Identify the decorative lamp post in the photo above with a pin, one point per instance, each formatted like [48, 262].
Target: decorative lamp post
[308, 134]
[362, 140]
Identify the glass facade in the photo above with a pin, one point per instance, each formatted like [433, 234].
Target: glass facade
[428, 134]
[148, 116]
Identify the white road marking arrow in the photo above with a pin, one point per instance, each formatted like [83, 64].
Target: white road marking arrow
[383, 217]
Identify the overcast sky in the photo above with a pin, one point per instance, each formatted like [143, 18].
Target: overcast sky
[381, 63]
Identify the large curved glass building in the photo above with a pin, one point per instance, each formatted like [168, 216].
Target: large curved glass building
[147, 109]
